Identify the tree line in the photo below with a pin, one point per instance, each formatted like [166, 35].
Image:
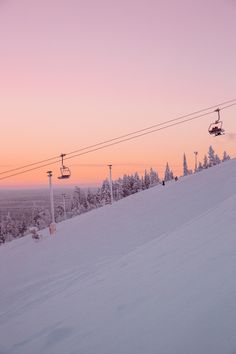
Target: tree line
[83, 200]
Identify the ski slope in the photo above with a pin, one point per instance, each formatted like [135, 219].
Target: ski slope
[152, 274]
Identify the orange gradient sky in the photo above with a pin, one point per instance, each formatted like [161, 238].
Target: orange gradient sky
[74, 73]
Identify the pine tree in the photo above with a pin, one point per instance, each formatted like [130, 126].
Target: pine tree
[211, 157]
[131, 184]
[205, 162]
[59, 213]
[217, 159]
[168, 173]
[142, 183]
[119, 193]
[105, 192]
[115, 189]
[126, 185]
[137, 185]
[147, 181]
[9, 228]
[91, 199]
[154, 179]
[200, 167]
[2, 236]
[225, 157]
[98, 197]
[185, 167]
[79, 201]
[75, 203]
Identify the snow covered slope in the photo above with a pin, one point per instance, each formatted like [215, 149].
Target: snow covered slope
[151, 274]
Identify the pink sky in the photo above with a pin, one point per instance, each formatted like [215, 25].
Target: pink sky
[74, 73]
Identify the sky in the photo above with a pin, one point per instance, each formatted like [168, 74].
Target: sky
[75, 73]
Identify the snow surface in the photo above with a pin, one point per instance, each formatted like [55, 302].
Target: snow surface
[152, 274]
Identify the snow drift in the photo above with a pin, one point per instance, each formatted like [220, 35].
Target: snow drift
[153, 273]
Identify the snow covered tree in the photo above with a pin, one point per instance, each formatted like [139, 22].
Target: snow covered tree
[137, 183]
[98, 197]
[21, 227]
[205, 162]
[45, 218]
[226, 157]
[42, 218]
[118, 190]
[126, 185]
[147, 181]
[217, 159]
[211, 157]
[168, 173]
[131, 184]
[91, 199]
[200, 167]
[8, 228]
[154, 179]
[2, 236]
[185, 166]
[105, 192]
[59, 213]
[79, 201]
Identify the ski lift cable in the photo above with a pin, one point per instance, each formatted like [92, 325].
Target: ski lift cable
[138, 136]
[111, 144]
[55, 158]
[143, 134]
[156, 125]
[96, 148]
[32, 164]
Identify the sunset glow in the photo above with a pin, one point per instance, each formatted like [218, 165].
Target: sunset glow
[75, 73]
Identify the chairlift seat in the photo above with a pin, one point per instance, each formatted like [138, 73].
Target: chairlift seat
[63, 177]
[216, 129]
[65, 173]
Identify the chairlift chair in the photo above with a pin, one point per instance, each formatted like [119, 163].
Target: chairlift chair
[65, 171]
[216, 128]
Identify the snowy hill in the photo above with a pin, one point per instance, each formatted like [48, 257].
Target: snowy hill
[151, 274]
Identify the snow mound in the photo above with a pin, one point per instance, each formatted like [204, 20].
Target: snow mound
[153, 273]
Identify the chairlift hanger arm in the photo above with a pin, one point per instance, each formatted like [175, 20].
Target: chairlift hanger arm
[218, 112]
[62, 159]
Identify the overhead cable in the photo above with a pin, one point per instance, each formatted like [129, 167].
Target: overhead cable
[116, 140]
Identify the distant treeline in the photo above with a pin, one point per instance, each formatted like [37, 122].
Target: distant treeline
[83, 201]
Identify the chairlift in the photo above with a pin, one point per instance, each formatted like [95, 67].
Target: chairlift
[65, 171]
[216, 128]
